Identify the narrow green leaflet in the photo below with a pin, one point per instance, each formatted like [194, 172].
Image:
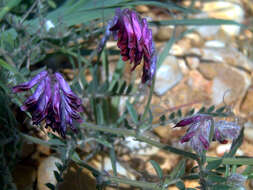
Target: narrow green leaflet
[11, 4]
[197, 22]
[132, 112]
[214, 164]
[8, 67]
[113, 161]
[157, 168]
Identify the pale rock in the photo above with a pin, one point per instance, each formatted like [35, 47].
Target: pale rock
[142, 8]
[223, 148]
[46, 172]
[164, 33]
[247, 104]
[177, 50]
[229, 55]
[248, 131]
[107, 166]
[214, 44]
[195, 39]
[213, 55]
[138, 147]
[183, 66]
[226, 10]
[230, 82]
[168, 75]
[192, 62]
[208, 70]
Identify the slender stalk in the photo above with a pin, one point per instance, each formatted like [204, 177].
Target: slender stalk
[142, 184]
[149, 100]
[125, 132]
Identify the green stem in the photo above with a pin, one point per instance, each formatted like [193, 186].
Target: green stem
[125, 132]
[134, 183]
[149, 100]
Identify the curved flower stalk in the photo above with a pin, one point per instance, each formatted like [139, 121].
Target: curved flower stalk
[199, 131]
[134, 40]
[52, 101]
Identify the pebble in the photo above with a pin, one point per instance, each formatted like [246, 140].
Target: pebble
[230, 82]
[222, 148]
[46, 172]
[247, 104]
[214, 44]
[226, 10]
[168, 75]
[248, 133]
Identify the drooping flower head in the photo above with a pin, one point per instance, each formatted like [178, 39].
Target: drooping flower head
[135, 41]
[52, 101]
[199, 130]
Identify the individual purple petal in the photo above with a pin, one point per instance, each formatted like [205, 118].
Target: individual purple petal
[188, 121]
[43, 103]
[187, 136]
[66, 89]
[56, 102]
[204, 141]
[130, 32]
[32, 100]
[28, 85]
[137, 29]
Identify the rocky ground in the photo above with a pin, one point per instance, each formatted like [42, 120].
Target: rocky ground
[210, 66]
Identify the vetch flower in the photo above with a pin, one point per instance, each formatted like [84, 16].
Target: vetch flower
[52, 101]
[224, 130]
[199, 130]
[135, 41]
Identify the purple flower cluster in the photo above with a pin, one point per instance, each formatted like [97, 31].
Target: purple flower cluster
[52, 101]
[135, 41]
[199, 131]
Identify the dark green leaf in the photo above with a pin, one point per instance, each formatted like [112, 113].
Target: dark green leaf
[191, 112]
[179, 170]
[203, 109]
[104, 142]
[11, 4]
[157, 168]
[179, 113]
[220, 187]
[172, 115]
[113, 161]
[211, 109]
[50, 186]
[122, 88]
[162, 119]
[214, 164]
[180, 185]
[57, 176]
[221, 109]
[132, 112]
[59, 166]
[214, 178]
[129, 89]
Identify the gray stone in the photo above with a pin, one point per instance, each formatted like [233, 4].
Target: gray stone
[46, 172]
[168, 75]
